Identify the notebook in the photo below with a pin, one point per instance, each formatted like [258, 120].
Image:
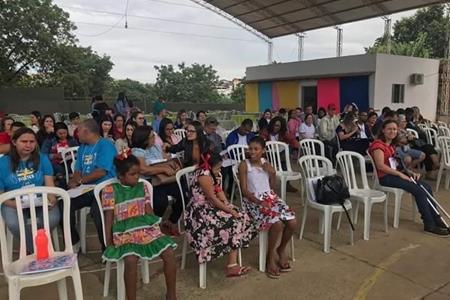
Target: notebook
[50, 264]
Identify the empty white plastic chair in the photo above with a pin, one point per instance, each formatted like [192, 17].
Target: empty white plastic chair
[12, 269]
[440, 123]
[310, 147]
[120, 264]
[398, 194]
[181, 133]
[432, 138]
[413, 132]
[275, 152]
[361, 193]
[237, 154]
[312, 167]
[444, 142]
[443, 131]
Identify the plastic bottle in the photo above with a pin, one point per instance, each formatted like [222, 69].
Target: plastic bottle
[41, 241]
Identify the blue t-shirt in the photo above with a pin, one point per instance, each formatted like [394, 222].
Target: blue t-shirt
[97, 156]
[155, 124]
[25, 175]
[149, 155]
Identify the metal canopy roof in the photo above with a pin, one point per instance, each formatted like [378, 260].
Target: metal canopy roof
[275, 18]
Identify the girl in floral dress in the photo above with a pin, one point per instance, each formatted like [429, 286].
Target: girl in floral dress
[215, 227]
[132, 229]
[257, 179]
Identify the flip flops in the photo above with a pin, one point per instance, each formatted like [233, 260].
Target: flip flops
[236, 271]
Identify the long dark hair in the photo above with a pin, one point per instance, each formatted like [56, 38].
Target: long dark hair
[208, 161]
[140, 136]
[381, 135]
[283, 128]
[34, 160]
[42, 121]
[162, 129]
[105, 118]
[201, 137]
[61, 125]
[134, 125]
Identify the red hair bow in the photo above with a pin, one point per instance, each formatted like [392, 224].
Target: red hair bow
[205, 164]
[124, 154]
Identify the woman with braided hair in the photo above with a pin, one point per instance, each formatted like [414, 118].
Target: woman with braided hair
[215, 227]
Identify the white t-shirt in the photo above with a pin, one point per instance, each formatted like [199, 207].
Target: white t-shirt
[242, 139]
[274, 138]
[308, 131]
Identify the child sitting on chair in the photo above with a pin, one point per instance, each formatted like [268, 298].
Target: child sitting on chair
[132, 229]
[257, 179]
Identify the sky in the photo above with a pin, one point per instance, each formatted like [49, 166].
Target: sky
[175, 31]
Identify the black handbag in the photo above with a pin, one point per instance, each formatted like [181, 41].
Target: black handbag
[333, 190]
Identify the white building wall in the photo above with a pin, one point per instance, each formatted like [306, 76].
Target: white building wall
[397, 70]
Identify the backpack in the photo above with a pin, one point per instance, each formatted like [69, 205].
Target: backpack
[333, 190]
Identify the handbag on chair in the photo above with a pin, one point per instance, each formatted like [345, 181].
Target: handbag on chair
[162, 178]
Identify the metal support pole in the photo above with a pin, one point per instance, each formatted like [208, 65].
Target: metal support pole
[387, 32]
[339, 41]
[270, 53]
[301, 45]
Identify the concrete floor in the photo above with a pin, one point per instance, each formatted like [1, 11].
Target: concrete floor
[404, 263]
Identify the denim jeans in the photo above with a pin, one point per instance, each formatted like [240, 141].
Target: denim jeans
[12, 222]
[426, 211]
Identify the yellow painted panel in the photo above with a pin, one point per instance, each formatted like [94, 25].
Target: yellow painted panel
[251, 97]
[288, 93]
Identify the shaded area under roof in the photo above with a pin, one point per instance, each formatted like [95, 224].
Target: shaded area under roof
[275, 18]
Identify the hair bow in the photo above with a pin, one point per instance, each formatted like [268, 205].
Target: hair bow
[205, 164]
[124, 154]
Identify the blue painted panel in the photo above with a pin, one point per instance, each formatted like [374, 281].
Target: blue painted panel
[355, 89]
[265, 95]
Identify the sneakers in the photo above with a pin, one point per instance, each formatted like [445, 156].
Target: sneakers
[439, 231]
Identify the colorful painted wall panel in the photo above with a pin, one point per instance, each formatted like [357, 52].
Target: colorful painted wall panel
[265, 95]
[328, 92]
[288, 94]
[355, 89]
[251, 97]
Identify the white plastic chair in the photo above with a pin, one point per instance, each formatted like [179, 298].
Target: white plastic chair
[309, 147]
[422, 126]
[432, 138]
[12, 269]
[440, 123]
[70, 154]
[398, 194]
[443, 131]
[237, 154]
[262, 235]
[313, 166]
[444, 142]
[361, 193]
[185, 175]
[181, 133]
[274, 152]
[413, 132]
[120, 264]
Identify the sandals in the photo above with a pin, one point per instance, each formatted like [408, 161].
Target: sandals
[286, 267]
[271, 274]
[236, 270]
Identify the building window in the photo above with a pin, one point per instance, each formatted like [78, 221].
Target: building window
[398, 93]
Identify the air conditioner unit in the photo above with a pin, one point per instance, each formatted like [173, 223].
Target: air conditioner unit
[416, 78]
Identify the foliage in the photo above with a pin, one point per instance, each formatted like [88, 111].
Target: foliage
[238, 94]
[423, 35]
[135, 90]
[196, 83]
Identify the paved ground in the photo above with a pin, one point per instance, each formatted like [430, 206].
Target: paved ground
[404, 263]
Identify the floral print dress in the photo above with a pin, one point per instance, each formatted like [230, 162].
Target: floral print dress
[211, 232]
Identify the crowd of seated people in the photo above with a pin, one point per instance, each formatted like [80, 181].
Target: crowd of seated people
[121, 145]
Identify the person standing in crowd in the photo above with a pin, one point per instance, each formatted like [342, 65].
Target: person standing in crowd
[94, 164]
[74, 119]
[132, 229]
[35, 118]
[201, 117]
[265, 119]
[138, 117]
[241, 135]
[122, 105]
[166, 132]
[5, 143]
[125, 142]
[215, 139]
[294, 123]
[99, 107]
[118, 129]
[22, 167]
[327, 131]
[321, 112]
[46, 130]
[307, 129]
[180, 122]
[227, 228]
[383, 152]
[268, 212]
[161, 113]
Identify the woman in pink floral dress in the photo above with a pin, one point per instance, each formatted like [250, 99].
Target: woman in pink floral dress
[215, 227]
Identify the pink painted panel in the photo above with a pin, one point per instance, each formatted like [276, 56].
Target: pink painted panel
[328, 93]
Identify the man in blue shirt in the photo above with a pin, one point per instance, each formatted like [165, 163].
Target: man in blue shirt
[94, 164]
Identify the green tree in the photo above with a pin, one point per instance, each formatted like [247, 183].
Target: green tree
[196, 83]
[238, 94]
[135, 90]
[30, 31]
[422, 35]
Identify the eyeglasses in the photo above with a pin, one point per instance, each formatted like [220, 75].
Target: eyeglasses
[169, 128]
